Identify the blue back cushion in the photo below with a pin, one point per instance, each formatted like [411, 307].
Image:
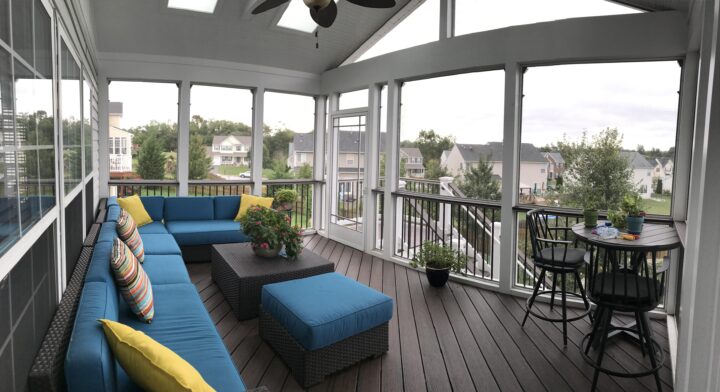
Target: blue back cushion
[99, 268]
[112, 200]
[226, 207]
[113, 212]
[189, 208]
[108, 232]
[89, 363]
[154, 205]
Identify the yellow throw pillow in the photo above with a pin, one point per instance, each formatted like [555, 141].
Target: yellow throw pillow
[149, 364]
[247, 201]
[135, 207]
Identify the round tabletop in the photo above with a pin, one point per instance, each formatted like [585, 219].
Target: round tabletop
[654, 237]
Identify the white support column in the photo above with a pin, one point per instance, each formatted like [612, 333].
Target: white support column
[392, 160]
[684, 141]
[699, 327]
[372, 154]
[103, 134]
[183, 150]
[319, 161]
[257, 139]
[510, 170]
[330, 200]
[447, 19]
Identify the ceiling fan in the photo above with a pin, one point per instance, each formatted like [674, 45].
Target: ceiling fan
[323, 12]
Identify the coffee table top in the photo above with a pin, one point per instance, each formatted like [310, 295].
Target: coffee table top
[241, 258]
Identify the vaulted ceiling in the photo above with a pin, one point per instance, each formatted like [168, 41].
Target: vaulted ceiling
[233, 34]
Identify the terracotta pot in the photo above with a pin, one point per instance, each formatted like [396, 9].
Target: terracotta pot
[267, 253]
[437, 277]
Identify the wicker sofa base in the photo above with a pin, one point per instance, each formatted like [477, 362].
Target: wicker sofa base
[311, 367]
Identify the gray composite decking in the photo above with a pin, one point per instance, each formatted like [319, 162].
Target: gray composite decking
[459, 338]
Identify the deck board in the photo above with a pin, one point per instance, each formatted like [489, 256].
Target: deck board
[459, 338]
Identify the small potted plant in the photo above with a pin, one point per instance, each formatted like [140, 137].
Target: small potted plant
[590, 214]
[635, 216]
[285, 199]
[438, 260]
[617, 218]
[269, 231]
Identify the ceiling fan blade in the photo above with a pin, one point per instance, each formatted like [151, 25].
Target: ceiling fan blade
[268, 5]
[325, 16]
[374, 3]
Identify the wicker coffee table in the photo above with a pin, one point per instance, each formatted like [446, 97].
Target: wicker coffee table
[241, 275]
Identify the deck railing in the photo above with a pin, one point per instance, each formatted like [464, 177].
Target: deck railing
[470, 227]
[302, 211]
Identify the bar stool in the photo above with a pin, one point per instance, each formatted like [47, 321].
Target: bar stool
[624, 281]
[554, 256]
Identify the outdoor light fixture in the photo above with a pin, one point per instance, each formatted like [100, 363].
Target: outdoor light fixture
[204, 6]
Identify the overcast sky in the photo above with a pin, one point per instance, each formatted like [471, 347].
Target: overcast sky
[640, 99]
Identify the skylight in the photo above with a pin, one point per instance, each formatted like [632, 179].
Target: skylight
[205, 6]
[297, 17]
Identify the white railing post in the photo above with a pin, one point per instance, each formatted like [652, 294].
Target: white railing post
[257, 140]
[319, 162]
[183, 150]
[496, 251]
[392, 163]
[398, 219]
[447, 208]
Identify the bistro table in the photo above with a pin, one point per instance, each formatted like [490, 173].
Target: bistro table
[654, 238]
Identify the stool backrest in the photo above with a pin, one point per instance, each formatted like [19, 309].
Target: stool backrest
[542, 237]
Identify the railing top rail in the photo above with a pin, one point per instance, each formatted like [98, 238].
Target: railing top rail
[142, 182]
[292, 181]
[578, 212]
[220, 182]
[448, 199]
[424, 180]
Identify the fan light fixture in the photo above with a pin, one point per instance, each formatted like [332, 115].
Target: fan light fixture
[323, 12]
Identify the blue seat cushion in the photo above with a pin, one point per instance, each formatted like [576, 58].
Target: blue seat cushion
[182, 324]
[205, 232]
[89, 363]
[165, 269]
[155, 206]
[160, 244]
[108, 232]
[324, 309]
[226, 207]
[155, 227]
[189, 209]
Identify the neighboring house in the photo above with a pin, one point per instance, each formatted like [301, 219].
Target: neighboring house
[119, 142]
[663, 171]
[642, 172]
[301, 150]
[413, 162]
[556, 165]
[443, 157]
[533, 165]
[230, 150]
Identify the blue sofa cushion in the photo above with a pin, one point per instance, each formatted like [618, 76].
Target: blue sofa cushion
[108, 232]
[99, 268]
[165, 269]
[89, 363]
[183, 325]
[189, 208]
[226, 207]
[113, 212]
[160, 244]
[154, 205]
[111, 201]
[203, 232]
[153, 228]
[324, 309]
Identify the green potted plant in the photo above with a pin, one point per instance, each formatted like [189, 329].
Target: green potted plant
[285, 199]
[590, 214]
[269, 231]
[635, 216]
[438, 261]
[617, 218]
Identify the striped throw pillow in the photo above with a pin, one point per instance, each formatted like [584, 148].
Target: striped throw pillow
[128, 232]
[132, 281]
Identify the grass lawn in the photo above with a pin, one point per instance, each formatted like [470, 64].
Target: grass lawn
[230, 170]
[659, 205]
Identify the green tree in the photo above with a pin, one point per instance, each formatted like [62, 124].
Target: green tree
[151, 159]
[305, 171]
[433, 169]
[478, 182]
[432, 145]
[200, 162]
[596, 175]
[280, 170]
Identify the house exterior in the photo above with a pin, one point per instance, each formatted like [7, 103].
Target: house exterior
[412, 160]
[533, 165]
[555, 166]
[663, 171]
[119, 142]
[642, 172]
[230, 150]
[351, 154]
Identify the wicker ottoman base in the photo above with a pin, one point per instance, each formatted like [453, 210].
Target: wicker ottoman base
[311, 367]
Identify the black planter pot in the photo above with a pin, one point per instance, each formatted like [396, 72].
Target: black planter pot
[437, 277]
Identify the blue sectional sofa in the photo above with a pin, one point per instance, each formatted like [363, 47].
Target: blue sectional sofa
[181, 321]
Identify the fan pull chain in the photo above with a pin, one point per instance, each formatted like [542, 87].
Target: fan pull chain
[317, 41]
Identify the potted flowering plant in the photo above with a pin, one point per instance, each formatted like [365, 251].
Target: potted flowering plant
[635, 216]
[438, 260]
[285, 199]
[269, 231]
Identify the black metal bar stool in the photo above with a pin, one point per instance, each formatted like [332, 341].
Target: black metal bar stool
[623, 280]
[556, 256]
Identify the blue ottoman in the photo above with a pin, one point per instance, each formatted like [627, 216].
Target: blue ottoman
[324, 323]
